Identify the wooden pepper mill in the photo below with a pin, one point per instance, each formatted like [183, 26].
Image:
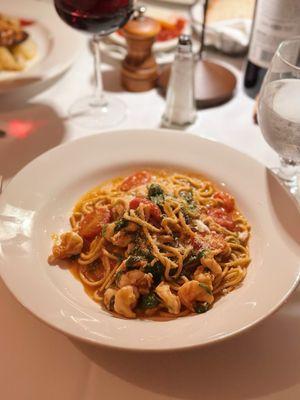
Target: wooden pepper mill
[139, 69]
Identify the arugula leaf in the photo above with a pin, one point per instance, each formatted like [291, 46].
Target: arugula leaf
[142, 253]
[157, 271]
[201, 308]
[122, 223]
[156, 194]
[149, 301]
[131, 262]
[155, 190]
[140, 249]
[194, 258]
[205, 287]
[189, 199]
[191, 263]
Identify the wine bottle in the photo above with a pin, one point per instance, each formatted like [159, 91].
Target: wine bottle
[274, 21]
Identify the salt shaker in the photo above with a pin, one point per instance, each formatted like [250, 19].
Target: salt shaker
[181, 108]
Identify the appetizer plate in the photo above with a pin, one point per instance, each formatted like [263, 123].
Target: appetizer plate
[119, 52]
[55, 180]
[164, 13]
[57, 44]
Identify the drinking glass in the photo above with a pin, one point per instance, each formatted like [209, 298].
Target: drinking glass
[100, 18]
[279, 110]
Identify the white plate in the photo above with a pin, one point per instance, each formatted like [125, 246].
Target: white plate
[58, 45]
[38, 202]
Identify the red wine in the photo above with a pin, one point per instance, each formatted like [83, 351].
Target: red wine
[274, 21]
[96, 16]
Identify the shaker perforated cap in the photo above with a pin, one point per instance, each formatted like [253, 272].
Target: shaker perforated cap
[185, 43]
[184, 39]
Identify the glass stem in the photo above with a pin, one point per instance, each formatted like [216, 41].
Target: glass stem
[288, 172]
[99, 95]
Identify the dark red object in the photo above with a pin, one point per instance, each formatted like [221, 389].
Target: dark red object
[96, 16]
[226, 200]
[26, 22]
[167, 33]
[92, 223]
[222, 218]
[155, 212]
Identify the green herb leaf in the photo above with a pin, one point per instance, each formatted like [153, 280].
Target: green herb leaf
[142, 253]
[201, 308]
[205, 287]
[131, 262]
[149, 301]
[122, 223]
[189, 199]
[156, 194]
[157, 271]
[191, 263]
[194, 258]
[155, 190]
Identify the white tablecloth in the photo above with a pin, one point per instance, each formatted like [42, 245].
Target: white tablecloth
[39, 363]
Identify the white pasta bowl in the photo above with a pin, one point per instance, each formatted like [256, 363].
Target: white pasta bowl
[39, 200]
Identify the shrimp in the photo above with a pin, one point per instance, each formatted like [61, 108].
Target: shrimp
[193, 291]
[171, 301]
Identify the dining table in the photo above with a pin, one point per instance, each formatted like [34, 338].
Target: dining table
[37, 362]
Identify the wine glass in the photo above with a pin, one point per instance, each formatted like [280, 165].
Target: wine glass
[101, 18]
[279, 110]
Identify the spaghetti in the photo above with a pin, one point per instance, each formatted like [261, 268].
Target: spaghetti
[157, 244]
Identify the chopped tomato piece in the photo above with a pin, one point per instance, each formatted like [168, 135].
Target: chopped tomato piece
[170, 30]
[135, 180]
[26, 22]
[226, 200]
[222, 218]
[92, 223]
[155, 212]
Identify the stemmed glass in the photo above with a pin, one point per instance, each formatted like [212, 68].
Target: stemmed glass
[100, 18]
[279, 110]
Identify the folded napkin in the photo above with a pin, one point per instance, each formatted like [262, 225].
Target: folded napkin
[230, 36]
